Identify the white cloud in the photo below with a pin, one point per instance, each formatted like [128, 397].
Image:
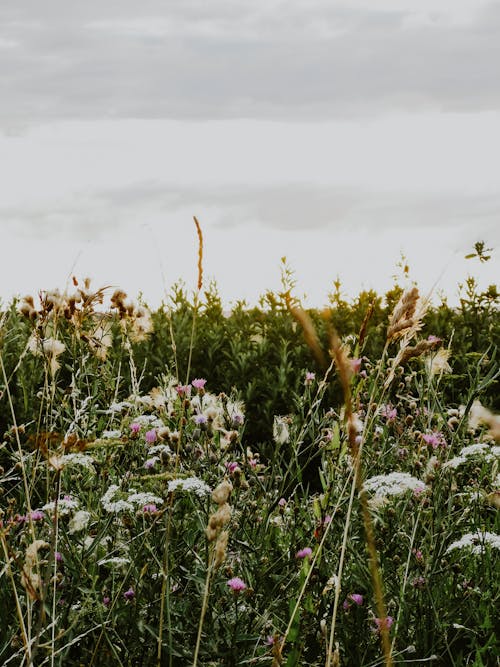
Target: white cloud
[302, 60]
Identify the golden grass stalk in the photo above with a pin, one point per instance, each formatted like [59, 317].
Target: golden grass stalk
[200, 252]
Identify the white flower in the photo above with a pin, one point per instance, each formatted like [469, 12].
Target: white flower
[159, 449]
[480, 449]
[281, 434]
[65, 506]
[476, 542]
[115, 506]
[78, 459]
[79, 521]
[193, 484]
[140, 499]
[393, 484]
[108, 435]
[118, 407]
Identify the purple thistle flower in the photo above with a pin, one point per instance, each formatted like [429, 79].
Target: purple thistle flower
[183, 390]
[130, 594]
[150, 508]
[36, 515]
[236, 584]
[306, 552]
[106, 600]
[199, 383]
[200, 419]
[135, 428]
[150, 436]
[380, 623]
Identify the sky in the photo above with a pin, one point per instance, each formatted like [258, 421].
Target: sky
[341, 135]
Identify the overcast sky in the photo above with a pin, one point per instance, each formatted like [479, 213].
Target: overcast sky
[339, 134]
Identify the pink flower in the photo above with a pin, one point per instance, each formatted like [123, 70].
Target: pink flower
[352, 597]
[434, 439]
[135, 428]
[232, 466]
[310, 377]
[357, 598]
[381, 623]
[389, 413]
[150, 508]
[282, 502]
[150, 436]
[236, 584]
[355, 365]
[434, 339]
[106, 600]
[199, 383]
[306, 552]
[183, 390]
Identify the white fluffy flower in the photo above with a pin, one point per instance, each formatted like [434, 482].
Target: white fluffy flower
[393, 484]
[281, 434]
[79, 521]
[65, 506]
[476, 542]
[190, 484]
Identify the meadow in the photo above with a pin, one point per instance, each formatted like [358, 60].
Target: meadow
[270, 486]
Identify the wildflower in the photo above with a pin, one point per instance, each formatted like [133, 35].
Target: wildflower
[199, 383]
[183, 390]
[381, 623]
[356, 365]
[150, 436]
[282, 502]
[36, 515]
[310, 377]
[393, 484]
[150, 508]
[232, 467]
[434, 439]
[110, 435]
[197, 486]
[106, 601]
[150, 463]
[135, 428]
[281, 434]
[306, 552]
[352, 597]
[79, 521]
[65, 506]
[130, 594]
[476, 542]
[200, 419]
[388, 412]
[58, 556]
[236, 584]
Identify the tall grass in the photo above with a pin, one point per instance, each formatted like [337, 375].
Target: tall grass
[323, 500]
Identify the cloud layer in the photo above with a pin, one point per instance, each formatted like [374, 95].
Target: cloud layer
[225, 59]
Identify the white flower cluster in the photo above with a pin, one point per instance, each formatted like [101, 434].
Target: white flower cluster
[109, 435]
[393, 484]
[149, 420]
[480, 449]
[133, 500]
[159, 449]
[64, 506]
[190, 484]
[476, 542]
[77, 459]
[79, 521]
